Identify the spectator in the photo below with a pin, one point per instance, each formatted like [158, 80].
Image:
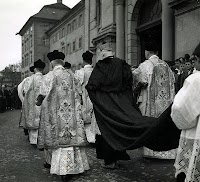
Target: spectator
[177, 65]
[188, 66]
[183, 74]
[187, 57]
[192, 59]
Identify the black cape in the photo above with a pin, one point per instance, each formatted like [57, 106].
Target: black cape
[119, 120]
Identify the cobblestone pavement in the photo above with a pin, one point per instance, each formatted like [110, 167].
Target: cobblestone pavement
[20, 162]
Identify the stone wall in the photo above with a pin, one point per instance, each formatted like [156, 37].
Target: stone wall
[72, 56]
[41, 46]
[132, 46]
[187, 28]
[100, 28]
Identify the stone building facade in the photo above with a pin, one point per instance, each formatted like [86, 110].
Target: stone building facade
[100, 25]
[127, 24]
[187, 25]
[35, 43]
[122, 24]
[68, 35]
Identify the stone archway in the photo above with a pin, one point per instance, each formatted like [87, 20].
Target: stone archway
[164, 21]
[146, 16]
[149, 25]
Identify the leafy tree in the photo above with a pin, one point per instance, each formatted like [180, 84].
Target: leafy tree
[11, 73]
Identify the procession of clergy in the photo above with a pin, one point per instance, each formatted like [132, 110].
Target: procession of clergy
[114, 106]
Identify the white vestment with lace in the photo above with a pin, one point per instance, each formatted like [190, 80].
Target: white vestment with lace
[185, 114]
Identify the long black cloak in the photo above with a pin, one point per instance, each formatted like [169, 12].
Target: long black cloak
[120, 122]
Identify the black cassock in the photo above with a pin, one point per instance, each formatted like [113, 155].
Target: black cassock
[121, 124]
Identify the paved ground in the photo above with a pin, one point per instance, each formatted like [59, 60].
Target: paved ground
[20, 162]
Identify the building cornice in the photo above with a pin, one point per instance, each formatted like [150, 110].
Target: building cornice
[41, 15]
[108, 32]
[184, 6]
[30, 21]
[177, 4]
[148, 25]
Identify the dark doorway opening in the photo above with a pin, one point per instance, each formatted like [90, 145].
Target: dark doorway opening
[155, 33]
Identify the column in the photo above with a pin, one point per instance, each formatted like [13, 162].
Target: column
[167, 31]
[87, 25]
[120, 29]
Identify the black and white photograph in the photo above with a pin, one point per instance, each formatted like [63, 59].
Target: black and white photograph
[100, 91]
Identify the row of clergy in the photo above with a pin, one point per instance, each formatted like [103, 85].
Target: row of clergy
[63, 111]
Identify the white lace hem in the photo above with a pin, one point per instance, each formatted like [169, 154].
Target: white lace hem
[71, 160]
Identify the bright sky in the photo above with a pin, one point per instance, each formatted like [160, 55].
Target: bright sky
[13, 15]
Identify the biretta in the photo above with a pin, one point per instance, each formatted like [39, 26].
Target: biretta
[87, 55]
[55, 55]
[31, 69]
[39, 64]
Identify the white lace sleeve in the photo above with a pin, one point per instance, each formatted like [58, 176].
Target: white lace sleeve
[185, 108]
[79, 79]
[20, 91]
[46, 84]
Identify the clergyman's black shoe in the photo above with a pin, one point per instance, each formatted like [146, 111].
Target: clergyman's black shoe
[34, 146]
[25, 132]
[46, 165]
[67, 177]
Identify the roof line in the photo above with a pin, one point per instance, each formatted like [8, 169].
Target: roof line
[75, 9]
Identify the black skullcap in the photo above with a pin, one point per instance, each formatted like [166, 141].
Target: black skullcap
[197, 51]
[55, 55]
[67, 65]
[39, 64]
[151, 45]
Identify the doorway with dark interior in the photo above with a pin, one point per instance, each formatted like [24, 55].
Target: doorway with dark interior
[154, 33]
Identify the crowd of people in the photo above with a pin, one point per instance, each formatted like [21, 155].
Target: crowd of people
[182, 68]
[9, 99]
[115, 108]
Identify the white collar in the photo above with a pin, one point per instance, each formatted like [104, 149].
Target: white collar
[58, 66]
[88, 66]
[38, 73]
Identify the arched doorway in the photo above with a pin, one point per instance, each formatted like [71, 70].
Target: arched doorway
[146, 23]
